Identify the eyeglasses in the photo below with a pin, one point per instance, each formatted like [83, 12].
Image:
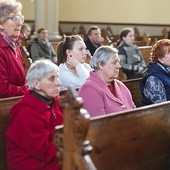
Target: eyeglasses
[19, 19]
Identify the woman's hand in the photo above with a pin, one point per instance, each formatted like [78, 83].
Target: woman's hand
[72, 62]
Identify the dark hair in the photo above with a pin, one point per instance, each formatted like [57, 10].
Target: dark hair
[41, 29]
[122, 34]
[68, 43]
[92, 28]
[168, 36]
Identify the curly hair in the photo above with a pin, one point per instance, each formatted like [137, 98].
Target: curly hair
[160, 49]
[7, 7]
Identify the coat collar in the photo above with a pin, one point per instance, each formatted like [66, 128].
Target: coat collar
[99, 82]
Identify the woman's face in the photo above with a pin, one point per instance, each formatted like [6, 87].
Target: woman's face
[110, 71]
[43, 35]
[166, 59]
[27, 32]
[130, 38]
[79, 51]
[12, 25]
[49, 86]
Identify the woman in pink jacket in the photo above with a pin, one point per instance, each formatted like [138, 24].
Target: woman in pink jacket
[102, 92]
[31, 128]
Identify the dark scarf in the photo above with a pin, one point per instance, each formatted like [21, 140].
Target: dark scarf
[44, 45]
[9, 41]
[44, 99]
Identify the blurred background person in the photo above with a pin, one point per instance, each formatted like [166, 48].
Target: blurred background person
[24, 44]
[26, 30]
[41, 48]
[12, 74]
[131, 60]
[94, 39]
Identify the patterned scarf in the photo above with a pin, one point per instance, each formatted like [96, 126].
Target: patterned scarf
[9, 41]
[44, 45]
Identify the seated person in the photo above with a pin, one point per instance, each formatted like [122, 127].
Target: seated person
[26, 40]
[24, 44]
[131, 60]
[12, 73]
[102, 93]
[94, 39]
[26, 32]
[155, 85]
[33, 119]
[41, 48]
[71, 57]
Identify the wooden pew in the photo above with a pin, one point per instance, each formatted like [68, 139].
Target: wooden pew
[134, 87]
[136, 139]
[7, 103]
[5, 106]
[145, 51]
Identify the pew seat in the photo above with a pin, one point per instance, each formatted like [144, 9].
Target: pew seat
[146, 53]
[134, 87]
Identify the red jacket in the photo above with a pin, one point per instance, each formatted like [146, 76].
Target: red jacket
[12, 74]
[30, 134]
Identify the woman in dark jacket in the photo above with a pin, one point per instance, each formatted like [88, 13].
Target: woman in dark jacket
[155, 85]
[131, 60]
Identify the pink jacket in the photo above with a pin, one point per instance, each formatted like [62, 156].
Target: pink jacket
[98, 100]
[12, 74]
[30, 135]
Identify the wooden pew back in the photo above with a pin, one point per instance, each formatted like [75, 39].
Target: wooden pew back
[145, 51]
[131, 84]
[5, 106]
[73, 137]
[136, 139]
[134, 87]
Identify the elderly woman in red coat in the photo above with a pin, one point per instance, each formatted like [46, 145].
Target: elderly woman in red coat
[31, 128]
[12, 74]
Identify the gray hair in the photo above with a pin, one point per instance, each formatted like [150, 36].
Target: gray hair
[38, 70]
[7, 7]
[102, 56]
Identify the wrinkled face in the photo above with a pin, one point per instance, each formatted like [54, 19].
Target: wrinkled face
[12, 24]
[49, 86]
[79, 51]
[96, 36]
[43, 35]
[130, 37]
[166, 59]
[110, 71]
